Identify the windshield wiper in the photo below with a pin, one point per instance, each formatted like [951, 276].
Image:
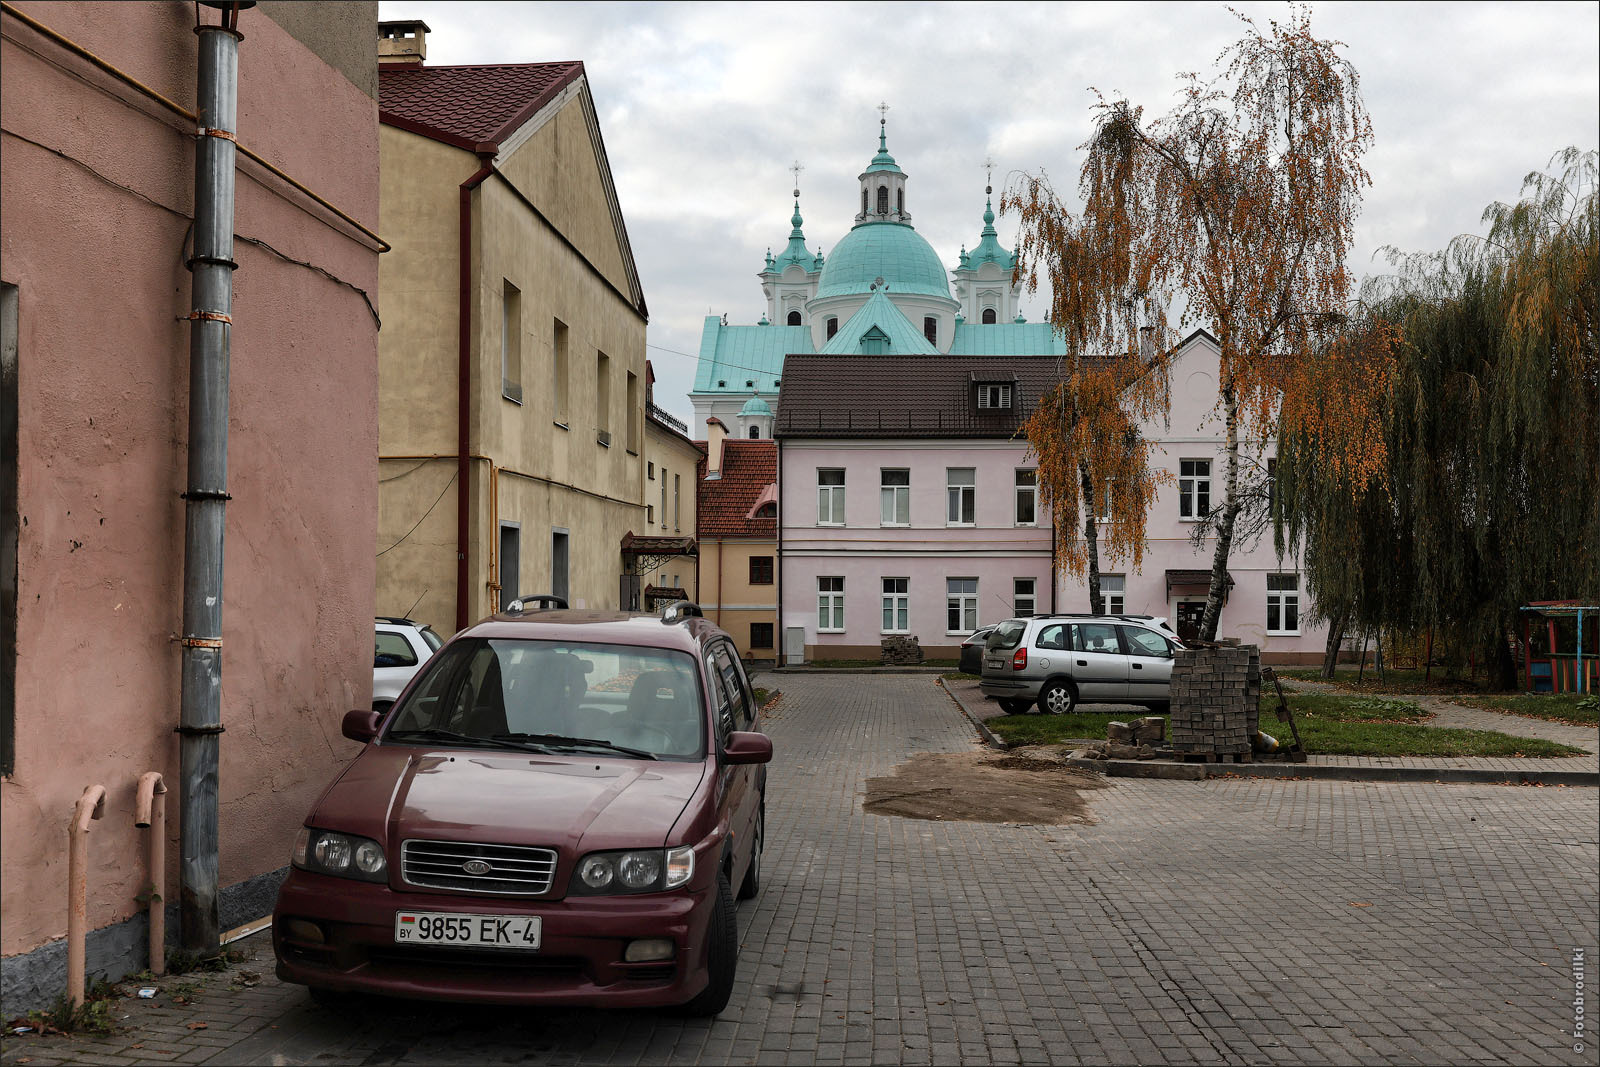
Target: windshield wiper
[563, 741]
[433, 733]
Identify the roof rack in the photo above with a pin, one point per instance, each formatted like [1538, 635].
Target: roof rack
[394, 620]
[535, 600]
[679, 610]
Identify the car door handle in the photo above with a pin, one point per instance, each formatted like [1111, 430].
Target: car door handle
[1138, 666]
[1083, 663]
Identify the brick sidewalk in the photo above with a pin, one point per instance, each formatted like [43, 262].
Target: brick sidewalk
[1225, 921]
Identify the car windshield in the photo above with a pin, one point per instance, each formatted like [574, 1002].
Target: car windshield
[557, 697]
[1007, 634]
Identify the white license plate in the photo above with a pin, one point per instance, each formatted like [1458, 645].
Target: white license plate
[471, 931]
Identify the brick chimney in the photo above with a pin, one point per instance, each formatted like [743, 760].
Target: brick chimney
[402, 44]
[715, 433]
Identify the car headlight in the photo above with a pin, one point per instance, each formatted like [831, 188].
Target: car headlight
[342, 855]
[644, 870]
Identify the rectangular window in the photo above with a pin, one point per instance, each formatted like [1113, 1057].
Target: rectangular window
[961, 605]
[559, 369]
[994, 396]
[677, 503]
[830, 604]
[1027, 497]
[1023, 599]
[663, 498]
[760, 570]
[1194, 488]
[830, 496]
[930, 329]
[1114, 587]
[10, 523]
[510, 562]
[510, 341]
[833, 327]
[602, 399]
[961, 496]
[1283, 603]
[760, 635]
[896, 605]
[650, 471]
[896, 497]
[558, 563]
[634, 413]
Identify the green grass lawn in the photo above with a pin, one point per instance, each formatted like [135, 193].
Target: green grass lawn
[959, 676]
[1331, 724]
[879, 663]
[1576, 708]
[1392, 682]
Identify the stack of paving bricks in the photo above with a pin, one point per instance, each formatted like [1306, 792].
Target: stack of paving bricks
[901, 650]
[1216, 692]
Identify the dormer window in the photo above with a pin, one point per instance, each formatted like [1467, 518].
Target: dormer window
[874, 342]
[883, 199]
[994, 396]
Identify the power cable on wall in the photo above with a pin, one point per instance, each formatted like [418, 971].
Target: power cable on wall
[425, 514]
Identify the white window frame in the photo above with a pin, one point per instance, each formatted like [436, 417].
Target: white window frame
[994, 396]
[1024, 597]
[1281, 601]
[1191, 486]
[830, 603]
[830, 498]
[1030, 492]
[894, 501]
[1114, 590]
[964, 602]
[960, 498]
[896, 606]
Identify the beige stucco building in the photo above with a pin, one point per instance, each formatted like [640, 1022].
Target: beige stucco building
[511, 362]
[668, 565]
[739, 539]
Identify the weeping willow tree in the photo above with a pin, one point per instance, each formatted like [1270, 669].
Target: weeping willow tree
[1490, 495]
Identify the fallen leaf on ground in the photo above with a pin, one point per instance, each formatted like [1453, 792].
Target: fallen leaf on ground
[197, 1026]
[1360, 903]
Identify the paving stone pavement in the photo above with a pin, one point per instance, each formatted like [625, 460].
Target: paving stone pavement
[1224, 921]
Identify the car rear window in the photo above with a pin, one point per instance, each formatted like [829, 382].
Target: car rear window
[641, 698]
[1007, 635]
[433, 640]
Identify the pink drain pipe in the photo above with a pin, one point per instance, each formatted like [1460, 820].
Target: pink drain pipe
[151, 811]
[90, 806]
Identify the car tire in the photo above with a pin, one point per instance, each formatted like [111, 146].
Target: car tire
[1015, 707]
[752, 875]
[722, 955]
[382, 706]
[1058, 698]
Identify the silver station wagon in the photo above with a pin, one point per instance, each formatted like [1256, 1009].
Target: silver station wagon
[1061, 661]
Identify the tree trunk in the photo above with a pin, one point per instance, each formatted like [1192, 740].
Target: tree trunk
[1230, 511]
[1330, 652]
[1499, 664]
[1097, 602]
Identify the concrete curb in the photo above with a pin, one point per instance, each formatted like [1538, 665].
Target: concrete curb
[989, 736]
[907, 669]
[1194, 772]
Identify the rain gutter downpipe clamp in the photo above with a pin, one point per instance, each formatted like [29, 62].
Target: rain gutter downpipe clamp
[211, 325]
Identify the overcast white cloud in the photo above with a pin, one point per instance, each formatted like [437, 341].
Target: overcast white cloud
[704, 106]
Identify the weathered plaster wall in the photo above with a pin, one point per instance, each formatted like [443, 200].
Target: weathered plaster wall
[102, 385]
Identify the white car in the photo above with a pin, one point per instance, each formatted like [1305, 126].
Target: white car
[400, 648]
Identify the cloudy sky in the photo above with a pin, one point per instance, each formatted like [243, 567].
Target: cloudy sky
[704, 106]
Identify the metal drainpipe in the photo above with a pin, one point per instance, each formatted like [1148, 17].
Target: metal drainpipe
[464, 390]
[212, 268]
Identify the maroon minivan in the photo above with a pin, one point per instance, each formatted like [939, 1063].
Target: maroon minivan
[557, 810]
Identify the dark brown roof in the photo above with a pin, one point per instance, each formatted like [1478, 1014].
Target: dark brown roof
[471, 107]
[723, 505]
[906, 395]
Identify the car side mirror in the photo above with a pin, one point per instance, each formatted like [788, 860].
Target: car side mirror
[747, 747]
[361, 725]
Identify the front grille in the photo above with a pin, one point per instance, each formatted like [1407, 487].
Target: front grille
[514, 870]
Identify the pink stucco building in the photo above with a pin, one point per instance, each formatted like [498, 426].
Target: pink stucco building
[98, 187]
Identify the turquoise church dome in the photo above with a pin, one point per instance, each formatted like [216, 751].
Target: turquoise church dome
[892, 251]
[755, 406]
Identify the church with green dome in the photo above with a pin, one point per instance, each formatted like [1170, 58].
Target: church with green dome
[882, 289]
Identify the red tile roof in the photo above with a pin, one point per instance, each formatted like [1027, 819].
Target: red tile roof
[724, 504]
[471, 107]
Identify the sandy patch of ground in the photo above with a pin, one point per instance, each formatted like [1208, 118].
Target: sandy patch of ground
[1025, 785]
